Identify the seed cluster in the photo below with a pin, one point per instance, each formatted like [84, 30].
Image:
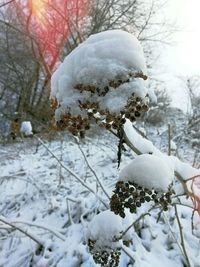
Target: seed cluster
[114, 84]
[130, 195]
[104, 258]
[78, 125]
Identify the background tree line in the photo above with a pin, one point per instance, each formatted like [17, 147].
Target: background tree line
[24, 74]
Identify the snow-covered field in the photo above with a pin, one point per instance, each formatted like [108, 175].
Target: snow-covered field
[45, 211]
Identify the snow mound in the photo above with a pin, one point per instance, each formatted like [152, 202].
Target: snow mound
[148, 171]
[105, 228]
[93, 71]
[26, 128]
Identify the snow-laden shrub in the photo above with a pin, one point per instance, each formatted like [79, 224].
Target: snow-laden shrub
[104, 237]
[103, 78]
[147, 178]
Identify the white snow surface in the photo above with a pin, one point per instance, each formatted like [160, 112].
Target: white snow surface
[149, 171]
[103, 57]
[32, 198]
[26, 128]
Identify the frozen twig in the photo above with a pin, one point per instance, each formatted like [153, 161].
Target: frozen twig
[181, 236]
[128, 252]
[26, 232]
[172, 233]
[53, 231]
[72, 199]
[72, 173]
[69, 213]
[136, 221]
[91, 169]
[6, 3]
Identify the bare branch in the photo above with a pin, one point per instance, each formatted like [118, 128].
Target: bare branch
[6, 3]
[26, 232]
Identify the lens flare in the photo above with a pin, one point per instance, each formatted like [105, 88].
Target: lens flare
[50, 23]
[38, 10]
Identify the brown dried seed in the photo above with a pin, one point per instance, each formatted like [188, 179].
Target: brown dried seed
[115, 125]
[138, 204]
[147, 198]
[142, 199]
[127, 205]
[137, 114]
[138, 107]
[82, 134]
[130, 200]
[142, 193]
[73, 130]
[127, 115]
[132, 118]
[138, 99]
[123, 120]
[113, 84]
[133, 209]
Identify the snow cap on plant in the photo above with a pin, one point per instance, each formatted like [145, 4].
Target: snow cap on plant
[104, 77]
[104, 237]
[149, 171]
[147, 178]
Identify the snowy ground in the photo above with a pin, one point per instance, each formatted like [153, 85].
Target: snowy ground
[40, 197]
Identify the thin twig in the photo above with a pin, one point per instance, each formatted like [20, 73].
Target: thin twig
[182, 238]
[173, 234]
[5, 4]
[128, 252]
[26, 232]
[56, 233]
[136, 221]
[72, 173]
[69, 213]
[72, 199]
[169, 139]
[91, 169]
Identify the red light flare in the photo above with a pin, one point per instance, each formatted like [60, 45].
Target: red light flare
[193, 185]
[50, 22]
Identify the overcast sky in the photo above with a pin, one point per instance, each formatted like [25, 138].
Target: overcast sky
[181, 60]
[184, 57]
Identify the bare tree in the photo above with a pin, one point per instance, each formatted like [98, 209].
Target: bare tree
[32, 44]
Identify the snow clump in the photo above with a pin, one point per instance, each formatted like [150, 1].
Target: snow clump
[148, 171]
[105, 228]
[26, 128]
[102, 74]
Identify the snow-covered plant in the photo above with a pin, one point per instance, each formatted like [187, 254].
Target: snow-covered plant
[104, 80]
[104, 237]
[147, 178]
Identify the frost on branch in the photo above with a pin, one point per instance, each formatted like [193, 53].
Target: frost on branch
[147, 178]
[103, 78]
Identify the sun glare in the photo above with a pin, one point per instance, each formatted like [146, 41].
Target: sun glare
[50, 23]
[38, 10]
